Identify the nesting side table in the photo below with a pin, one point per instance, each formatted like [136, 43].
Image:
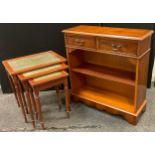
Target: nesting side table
[20, 65]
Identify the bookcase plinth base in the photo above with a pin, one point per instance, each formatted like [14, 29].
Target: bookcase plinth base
[132, 118]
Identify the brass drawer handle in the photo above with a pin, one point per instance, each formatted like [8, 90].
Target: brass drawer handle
[79, 42]
[116, 47]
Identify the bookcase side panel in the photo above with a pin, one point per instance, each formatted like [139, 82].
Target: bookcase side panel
[142, 80]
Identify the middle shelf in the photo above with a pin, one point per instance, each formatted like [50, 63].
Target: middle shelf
[107, 73]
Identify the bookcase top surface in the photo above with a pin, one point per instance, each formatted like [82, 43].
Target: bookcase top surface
[124, 33]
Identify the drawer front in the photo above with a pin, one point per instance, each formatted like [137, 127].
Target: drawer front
[118, 45]
[81, 41]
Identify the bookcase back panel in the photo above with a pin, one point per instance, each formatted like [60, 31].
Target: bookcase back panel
[112, 61]
[75, 58]
[78, 57]
[77, 81]
[111, 86]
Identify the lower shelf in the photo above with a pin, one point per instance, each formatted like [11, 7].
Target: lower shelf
[105, 98]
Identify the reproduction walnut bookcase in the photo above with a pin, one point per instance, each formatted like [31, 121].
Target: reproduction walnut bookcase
[108, 68]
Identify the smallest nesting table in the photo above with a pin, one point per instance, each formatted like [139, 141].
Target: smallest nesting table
[46, 82]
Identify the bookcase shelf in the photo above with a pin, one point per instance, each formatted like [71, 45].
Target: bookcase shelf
[107, 73]
[105, 98]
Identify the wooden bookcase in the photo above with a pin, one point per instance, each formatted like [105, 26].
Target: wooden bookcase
[108, 68]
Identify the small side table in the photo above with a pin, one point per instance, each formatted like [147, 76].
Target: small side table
[46, 82]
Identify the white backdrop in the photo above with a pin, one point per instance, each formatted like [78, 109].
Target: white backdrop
[153, 74]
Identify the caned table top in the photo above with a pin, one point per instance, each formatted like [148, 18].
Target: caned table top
[32, 62]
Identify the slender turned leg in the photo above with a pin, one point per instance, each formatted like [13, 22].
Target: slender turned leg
[14, 78]
[58, 97]
[33, 102]
[37, 99]
[25, 103]
[22, 95]
[29, 103]
[67, 97]
[13, 89]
